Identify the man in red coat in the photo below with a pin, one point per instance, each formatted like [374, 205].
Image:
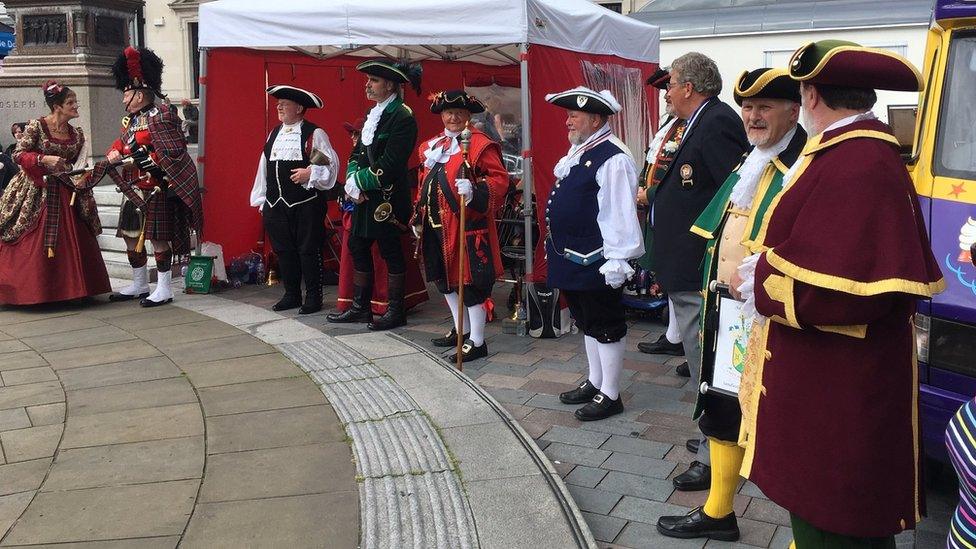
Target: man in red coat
[436, 219]
[831, 429]
[162, 192]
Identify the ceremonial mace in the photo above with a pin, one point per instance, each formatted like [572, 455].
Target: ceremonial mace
[463, 173]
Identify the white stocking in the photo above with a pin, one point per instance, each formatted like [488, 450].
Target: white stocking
[477, 316]
[593, 360]
[673, 334]
[452, 302]
[612, 361]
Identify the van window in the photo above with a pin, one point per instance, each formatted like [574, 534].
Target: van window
[955, 153]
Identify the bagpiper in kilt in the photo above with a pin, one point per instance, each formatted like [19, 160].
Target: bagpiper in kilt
[161, 188]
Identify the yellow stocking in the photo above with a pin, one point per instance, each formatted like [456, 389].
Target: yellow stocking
[726, 461]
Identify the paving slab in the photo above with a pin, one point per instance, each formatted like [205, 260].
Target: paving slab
[106, 353]
[256, 396]
[510, 459]
[289, 471]
[28, 375]
[531, 523]
[14, 418]
[164, 542]
[31, 443]
[141, 320]
[21, 359]
[118, 373]
[12, 507]
[145, 510]
[236, 346]
[31, 394]
[54, 325]
[240, 370]
[131, 463]
[294, 522]
[130, 396]
[46, 414]
[25, 476]
[181, 334]
[78, 338]
[273, 429]
[119, 427]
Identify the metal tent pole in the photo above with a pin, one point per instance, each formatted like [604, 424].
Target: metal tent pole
[528, 209]
[202, 129]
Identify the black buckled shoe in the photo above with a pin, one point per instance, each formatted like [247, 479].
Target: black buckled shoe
[287, 302]
[601, 407]
[661, 347]
[580, 395]
[117, 297]
[469, 352]
[697, 524]
[692, 445]
[697, 477]
[683, 370]
[448, 340]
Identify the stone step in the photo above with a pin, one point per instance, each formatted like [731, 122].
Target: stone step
[106, 195]
[109, 215]
[108, 242]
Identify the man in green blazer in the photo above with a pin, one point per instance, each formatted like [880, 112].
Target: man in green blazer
[377, 182]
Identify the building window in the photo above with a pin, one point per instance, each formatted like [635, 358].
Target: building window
[193, 42]
[613, 6]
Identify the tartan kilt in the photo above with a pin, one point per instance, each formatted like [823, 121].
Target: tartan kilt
[160, 214]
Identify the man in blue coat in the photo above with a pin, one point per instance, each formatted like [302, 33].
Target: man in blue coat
[712, 145]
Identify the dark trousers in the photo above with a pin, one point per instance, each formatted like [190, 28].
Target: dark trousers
[808, 536]
[598, 313]
[297, 235]
[391, 251]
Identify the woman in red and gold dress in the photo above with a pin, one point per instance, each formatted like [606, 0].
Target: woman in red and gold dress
[48, 249]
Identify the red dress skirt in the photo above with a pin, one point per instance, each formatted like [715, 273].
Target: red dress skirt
[28, 276]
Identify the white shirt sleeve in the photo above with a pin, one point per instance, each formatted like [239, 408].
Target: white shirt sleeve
[622, 238]
[323, 178]
[259, 191]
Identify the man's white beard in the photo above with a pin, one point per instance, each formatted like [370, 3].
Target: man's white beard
[580, 137]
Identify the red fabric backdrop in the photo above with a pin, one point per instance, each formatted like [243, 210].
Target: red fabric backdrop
[240, 116]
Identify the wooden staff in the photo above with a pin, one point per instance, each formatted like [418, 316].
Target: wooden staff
[463, 173]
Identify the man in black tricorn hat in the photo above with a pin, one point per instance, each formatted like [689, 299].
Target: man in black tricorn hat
[161, 190]
[297, 167]
[377, 179]
[593, 231]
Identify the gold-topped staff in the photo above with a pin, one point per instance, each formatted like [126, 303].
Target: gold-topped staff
[463, 173]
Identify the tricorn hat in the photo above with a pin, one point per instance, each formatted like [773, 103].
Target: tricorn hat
[659, 78]
[586, 100]
[455, 99]
[766, 83]
[304, 98]
[138, 69]
[850, 65]
[398, 72]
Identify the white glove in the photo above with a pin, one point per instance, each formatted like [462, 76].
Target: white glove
[351, 188]
[417, 230]
[464, 189]
[616, 272]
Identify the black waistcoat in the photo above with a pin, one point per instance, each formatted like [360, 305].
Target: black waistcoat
[280, 188]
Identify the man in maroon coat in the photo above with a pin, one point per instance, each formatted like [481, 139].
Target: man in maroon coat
[831, 429]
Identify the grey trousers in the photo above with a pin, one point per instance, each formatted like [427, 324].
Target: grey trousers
[687, 311]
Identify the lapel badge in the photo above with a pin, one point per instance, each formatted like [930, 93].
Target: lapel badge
[581, 100]
[588, 162]
[686, 172]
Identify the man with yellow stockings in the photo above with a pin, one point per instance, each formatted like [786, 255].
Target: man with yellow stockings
[832, 431]
[770, 102]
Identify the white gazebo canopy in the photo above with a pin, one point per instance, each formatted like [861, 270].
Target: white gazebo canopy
[471, 30]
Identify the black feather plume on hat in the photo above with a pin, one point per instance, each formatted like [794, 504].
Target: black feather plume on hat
[136, 69]
[414, 72]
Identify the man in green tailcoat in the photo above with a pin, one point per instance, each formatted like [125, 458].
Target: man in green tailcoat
[770, 103]
[377, 178]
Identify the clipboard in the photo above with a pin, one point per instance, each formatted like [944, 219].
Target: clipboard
[728, 349]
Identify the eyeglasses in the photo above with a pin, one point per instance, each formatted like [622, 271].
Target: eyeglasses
[670, 85]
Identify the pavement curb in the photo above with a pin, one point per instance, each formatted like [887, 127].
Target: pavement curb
[436, 466]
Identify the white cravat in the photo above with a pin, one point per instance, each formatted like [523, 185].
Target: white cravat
[753, 168]
[373, 118]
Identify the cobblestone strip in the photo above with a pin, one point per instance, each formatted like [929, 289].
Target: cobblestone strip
[410, 494]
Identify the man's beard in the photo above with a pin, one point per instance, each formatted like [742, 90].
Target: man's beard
[757, 139]
[577, 137]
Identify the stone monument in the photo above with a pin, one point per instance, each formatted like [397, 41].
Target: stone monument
[74, 42]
